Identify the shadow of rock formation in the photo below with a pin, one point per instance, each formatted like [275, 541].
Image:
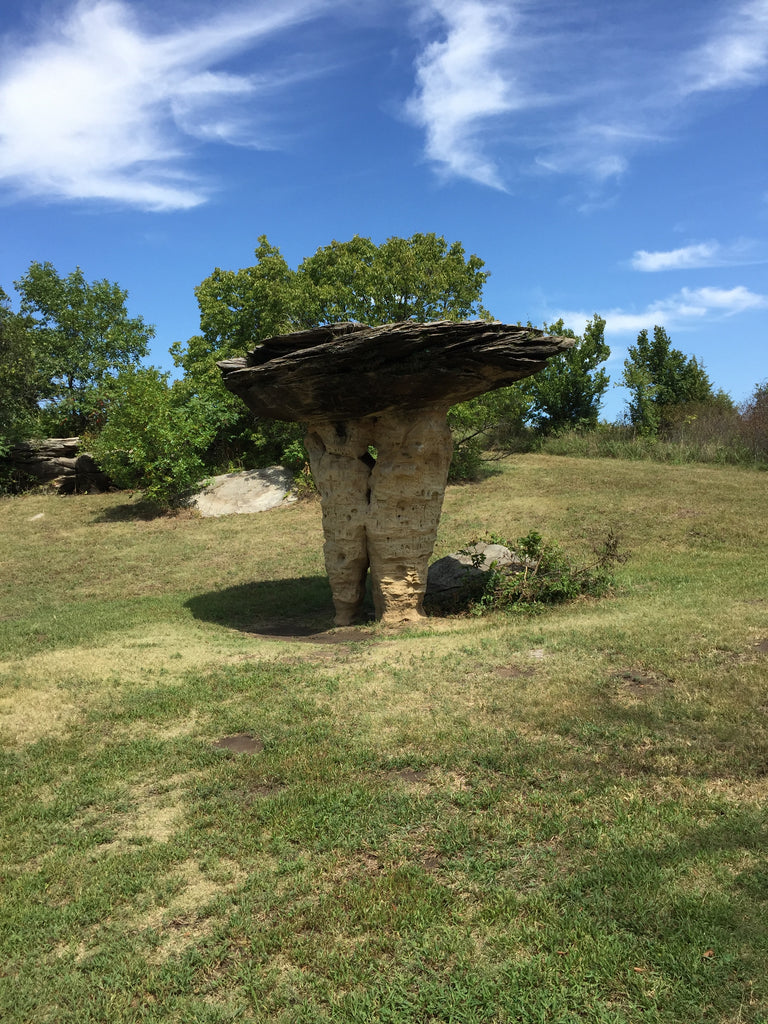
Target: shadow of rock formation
[297, 608]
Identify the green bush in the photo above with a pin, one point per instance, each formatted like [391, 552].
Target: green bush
[152, 441]
[548, 576]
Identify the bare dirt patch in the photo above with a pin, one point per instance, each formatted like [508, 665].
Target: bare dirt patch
[410, 775]
[431, 861]
[428, 780]
[513, 672]
[639, 683]
[242, 743]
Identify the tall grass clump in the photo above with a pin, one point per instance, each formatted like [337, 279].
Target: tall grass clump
[692, 433]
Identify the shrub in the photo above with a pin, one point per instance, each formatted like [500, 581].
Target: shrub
[754, 423]
[150, 440]
[548, 576]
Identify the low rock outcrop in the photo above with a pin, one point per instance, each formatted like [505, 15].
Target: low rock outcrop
[58, 463]
[374, 400]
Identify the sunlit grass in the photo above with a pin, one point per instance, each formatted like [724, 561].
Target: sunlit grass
[553, 818]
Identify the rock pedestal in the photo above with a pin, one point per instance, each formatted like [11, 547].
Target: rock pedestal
[380, 511]
[375, 401]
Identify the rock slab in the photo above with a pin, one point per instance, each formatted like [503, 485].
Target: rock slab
[254, 490]
[349, 371]
[58, 463]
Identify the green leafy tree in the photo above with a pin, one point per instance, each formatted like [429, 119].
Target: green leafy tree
[239, 308]
[661, 378]
[81, 335]
[494, 422]
[154, 438]
[570, 388]
[22, 382]
[419, 278]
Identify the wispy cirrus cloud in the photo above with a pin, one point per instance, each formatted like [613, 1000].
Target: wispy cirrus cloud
[689, 305]
[463, 81]
[699, 255]
[607, 90]
[735, 55]
[97, 107]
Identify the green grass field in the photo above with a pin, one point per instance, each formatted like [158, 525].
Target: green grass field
[555, 818]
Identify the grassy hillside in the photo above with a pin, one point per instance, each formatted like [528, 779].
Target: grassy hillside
[553, 818]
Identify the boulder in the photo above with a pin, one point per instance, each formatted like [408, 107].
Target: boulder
[457, 578]
[254, 490]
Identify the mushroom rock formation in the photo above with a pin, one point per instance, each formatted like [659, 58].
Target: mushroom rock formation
[387, 390]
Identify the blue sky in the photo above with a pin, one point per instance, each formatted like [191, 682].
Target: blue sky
[599, 156]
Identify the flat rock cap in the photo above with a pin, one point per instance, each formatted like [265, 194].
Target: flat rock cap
[350, 371]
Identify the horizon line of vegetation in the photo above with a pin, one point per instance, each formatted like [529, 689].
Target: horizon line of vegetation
[71, 364]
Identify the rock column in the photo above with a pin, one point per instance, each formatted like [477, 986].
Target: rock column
[380, 510]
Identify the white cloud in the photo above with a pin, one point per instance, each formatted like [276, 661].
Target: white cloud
[700, 255]
[99, 108]
[730, 300]
[608, 89]
[463, 82]
[686, 306]
[735, 55]
[704, 254]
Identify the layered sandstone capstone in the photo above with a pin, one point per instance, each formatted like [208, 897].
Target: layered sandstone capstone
[375, 401]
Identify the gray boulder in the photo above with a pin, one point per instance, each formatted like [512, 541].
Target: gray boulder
[254, 490]
[460, 577]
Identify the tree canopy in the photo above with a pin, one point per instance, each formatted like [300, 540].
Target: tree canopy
[659, 378]
[418, 278]
[78, 333]
[568, 391]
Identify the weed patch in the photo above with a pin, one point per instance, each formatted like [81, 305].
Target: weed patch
[542, 574]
